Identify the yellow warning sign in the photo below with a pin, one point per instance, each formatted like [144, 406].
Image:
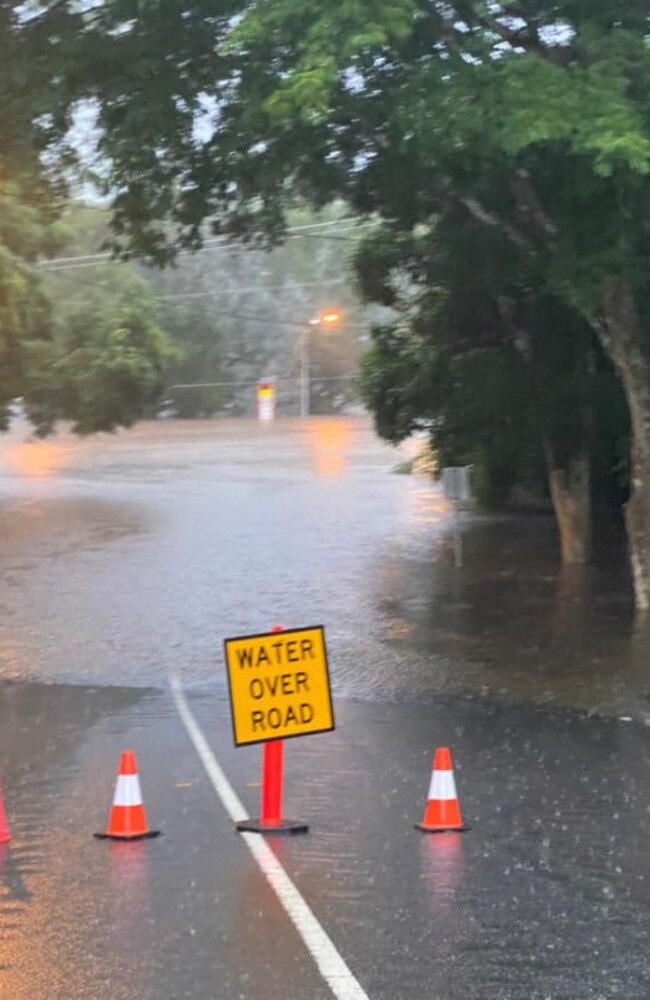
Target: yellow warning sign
[279, 685]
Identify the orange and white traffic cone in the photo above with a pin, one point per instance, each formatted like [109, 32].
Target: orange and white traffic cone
[128, 819]
[5, 836]
[442, 811]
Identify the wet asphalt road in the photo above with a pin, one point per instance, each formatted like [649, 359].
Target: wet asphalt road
[546, 895]
[129, 558]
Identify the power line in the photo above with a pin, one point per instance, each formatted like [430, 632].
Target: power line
[210, 245]
[214, 240]
[255, 288]
[249, 317]
[232, 249]
[279, 378]
[280, 322]
[263, 319]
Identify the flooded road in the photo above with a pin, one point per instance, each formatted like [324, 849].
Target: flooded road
[127, 559]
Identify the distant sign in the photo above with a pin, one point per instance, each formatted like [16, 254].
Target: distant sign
[265, 400]
[456, 483]
[279, 685]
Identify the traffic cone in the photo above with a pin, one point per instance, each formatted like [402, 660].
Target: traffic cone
[442, 811]
[128, 819]
[5, 836]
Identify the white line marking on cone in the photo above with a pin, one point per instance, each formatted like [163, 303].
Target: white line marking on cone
[128, 791]
[442, 785]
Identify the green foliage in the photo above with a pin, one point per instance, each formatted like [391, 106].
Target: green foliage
[496, 370]
[25, 322]
[304, 90]
[96, 363]
[103, 367]
[25, 327]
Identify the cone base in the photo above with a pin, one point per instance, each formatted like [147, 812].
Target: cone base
[441, 829]
[284, 826]
[149, 835]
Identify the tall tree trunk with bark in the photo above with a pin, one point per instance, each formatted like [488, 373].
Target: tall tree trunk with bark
[622, 338]
[569, 479]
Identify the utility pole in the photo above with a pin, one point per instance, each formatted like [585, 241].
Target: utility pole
[304, 373]
[329, 318]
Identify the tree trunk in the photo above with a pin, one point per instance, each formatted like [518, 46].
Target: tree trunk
[621, 337]
[571, 496]
[569, 481]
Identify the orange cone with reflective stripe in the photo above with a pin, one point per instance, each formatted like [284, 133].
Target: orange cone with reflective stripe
[5, 836]
[442, 811]
[128, 819]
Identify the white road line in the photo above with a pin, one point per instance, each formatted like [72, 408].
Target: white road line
[331, 965]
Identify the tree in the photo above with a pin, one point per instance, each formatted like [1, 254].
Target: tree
[98, 366]
[504, 376]
[533, 117]
[33, 120]
[104, 366]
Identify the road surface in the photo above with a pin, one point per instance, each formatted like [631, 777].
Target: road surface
[125, 562]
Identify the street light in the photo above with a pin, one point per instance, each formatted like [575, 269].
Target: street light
[327, 318]
[331, 317]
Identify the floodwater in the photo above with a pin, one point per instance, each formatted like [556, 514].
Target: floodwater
[127, 557]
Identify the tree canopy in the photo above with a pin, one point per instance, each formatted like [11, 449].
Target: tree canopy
[98, 365]
[225, 111]
[503, 376]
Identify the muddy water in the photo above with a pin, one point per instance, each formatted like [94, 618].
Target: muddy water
[126, 557]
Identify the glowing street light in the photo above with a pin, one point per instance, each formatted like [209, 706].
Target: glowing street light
[327, 318]
[331, 317]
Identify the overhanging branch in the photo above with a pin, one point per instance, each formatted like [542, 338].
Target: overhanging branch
[487, 217]
[530, 206]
